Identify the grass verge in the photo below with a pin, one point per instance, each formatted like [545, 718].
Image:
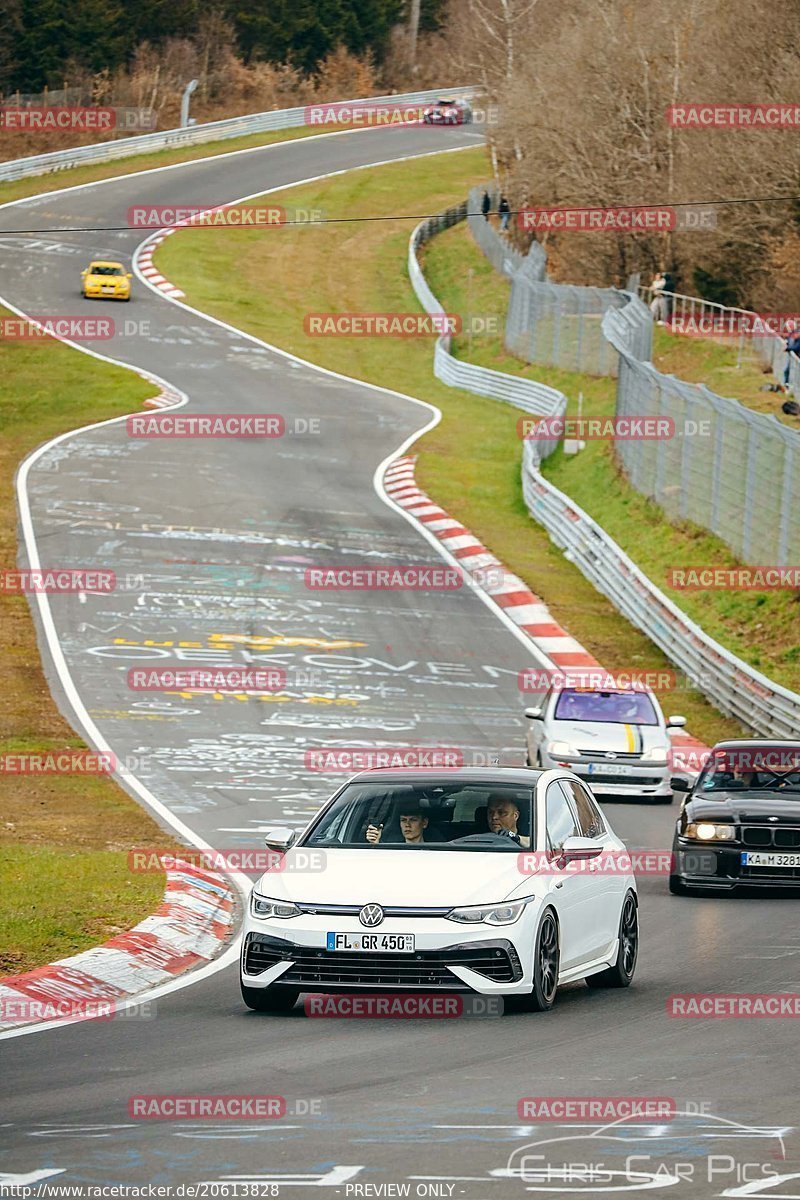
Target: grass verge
[63, 839]
[719, 366]
[470, 462]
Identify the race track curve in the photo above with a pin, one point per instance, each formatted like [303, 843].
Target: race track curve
[211, 540]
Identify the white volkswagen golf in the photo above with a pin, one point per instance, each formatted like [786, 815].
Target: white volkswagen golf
[467, 880]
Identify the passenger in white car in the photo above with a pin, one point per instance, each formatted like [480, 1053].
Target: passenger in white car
[412, 826]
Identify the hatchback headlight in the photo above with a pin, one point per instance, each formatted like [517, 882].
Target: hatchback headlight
[559, 748]
[262, 906]
[656, 754]
[488, 914]
[706, 831]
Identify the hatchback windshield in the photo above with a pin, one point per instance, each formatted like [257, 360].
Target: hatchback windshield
[617, 708]
[440, 816]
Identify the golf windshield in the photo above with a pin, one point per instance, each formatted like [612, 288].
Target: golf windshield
[614, 708]
[438, 816]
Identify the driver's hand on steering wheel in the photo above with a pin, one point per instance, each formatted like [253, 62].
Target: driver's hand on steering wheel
[373, 834]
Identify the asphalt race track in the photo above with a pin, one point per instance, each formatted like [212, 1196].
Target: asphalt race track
[209, 541]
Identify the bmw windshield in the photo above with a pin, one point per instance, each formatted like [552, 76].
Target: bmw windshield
[393, 816]
[756, 768]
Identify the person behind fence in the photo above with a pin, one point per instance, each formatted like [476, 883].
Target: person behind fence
[792, 343]
[669, 294]
[504, 209]
[486, 205]
[658, 304]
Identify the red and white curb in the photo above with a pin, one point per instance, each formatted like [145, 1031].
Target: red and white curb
[144, 261]
[166, 398]
[189, 929]
[508, 591]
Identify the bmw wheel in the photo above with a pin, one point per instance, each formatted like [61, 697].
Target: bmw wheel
[621, 974]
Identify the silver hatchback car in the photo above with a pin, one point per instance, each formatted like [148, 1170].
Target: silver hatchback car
[617, 740]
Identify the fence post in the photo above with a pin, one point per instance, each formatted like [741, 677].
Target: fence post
[747, 508]
[786, 506]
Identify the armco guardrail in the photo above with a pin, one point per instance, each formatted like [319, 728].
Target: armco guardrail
[531, 397]
[734, 687]
[194, 135]
[731, 684]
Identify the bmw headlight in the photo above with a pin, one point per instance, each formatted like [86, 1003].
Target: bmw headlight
[488, 914]
[262, 906]
[656, 754]
[706, 831]
[558, 748]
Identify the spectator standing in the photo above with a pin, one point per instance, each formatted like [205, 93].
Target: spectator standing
[486, 206]
[658, 302]
[792, 343]
[504, 209]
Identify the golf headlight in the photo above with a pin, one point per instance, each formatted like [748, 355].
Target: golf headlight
[705, 831]
[262, 906]
[656, 754]
[488, 914]
[559, 748]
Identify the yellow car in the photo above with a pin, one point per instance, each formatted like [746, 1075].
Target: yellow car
[106, 280]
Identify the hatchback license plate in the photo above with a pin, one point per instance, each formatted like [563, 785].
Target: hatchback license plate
[375, 943]
[596, 768]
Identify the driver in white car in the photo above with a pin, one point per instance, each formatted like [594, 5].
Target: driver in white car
[502, 816]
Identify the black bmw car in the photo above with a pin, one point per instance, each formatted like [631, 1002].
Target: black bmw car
[739, 824]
